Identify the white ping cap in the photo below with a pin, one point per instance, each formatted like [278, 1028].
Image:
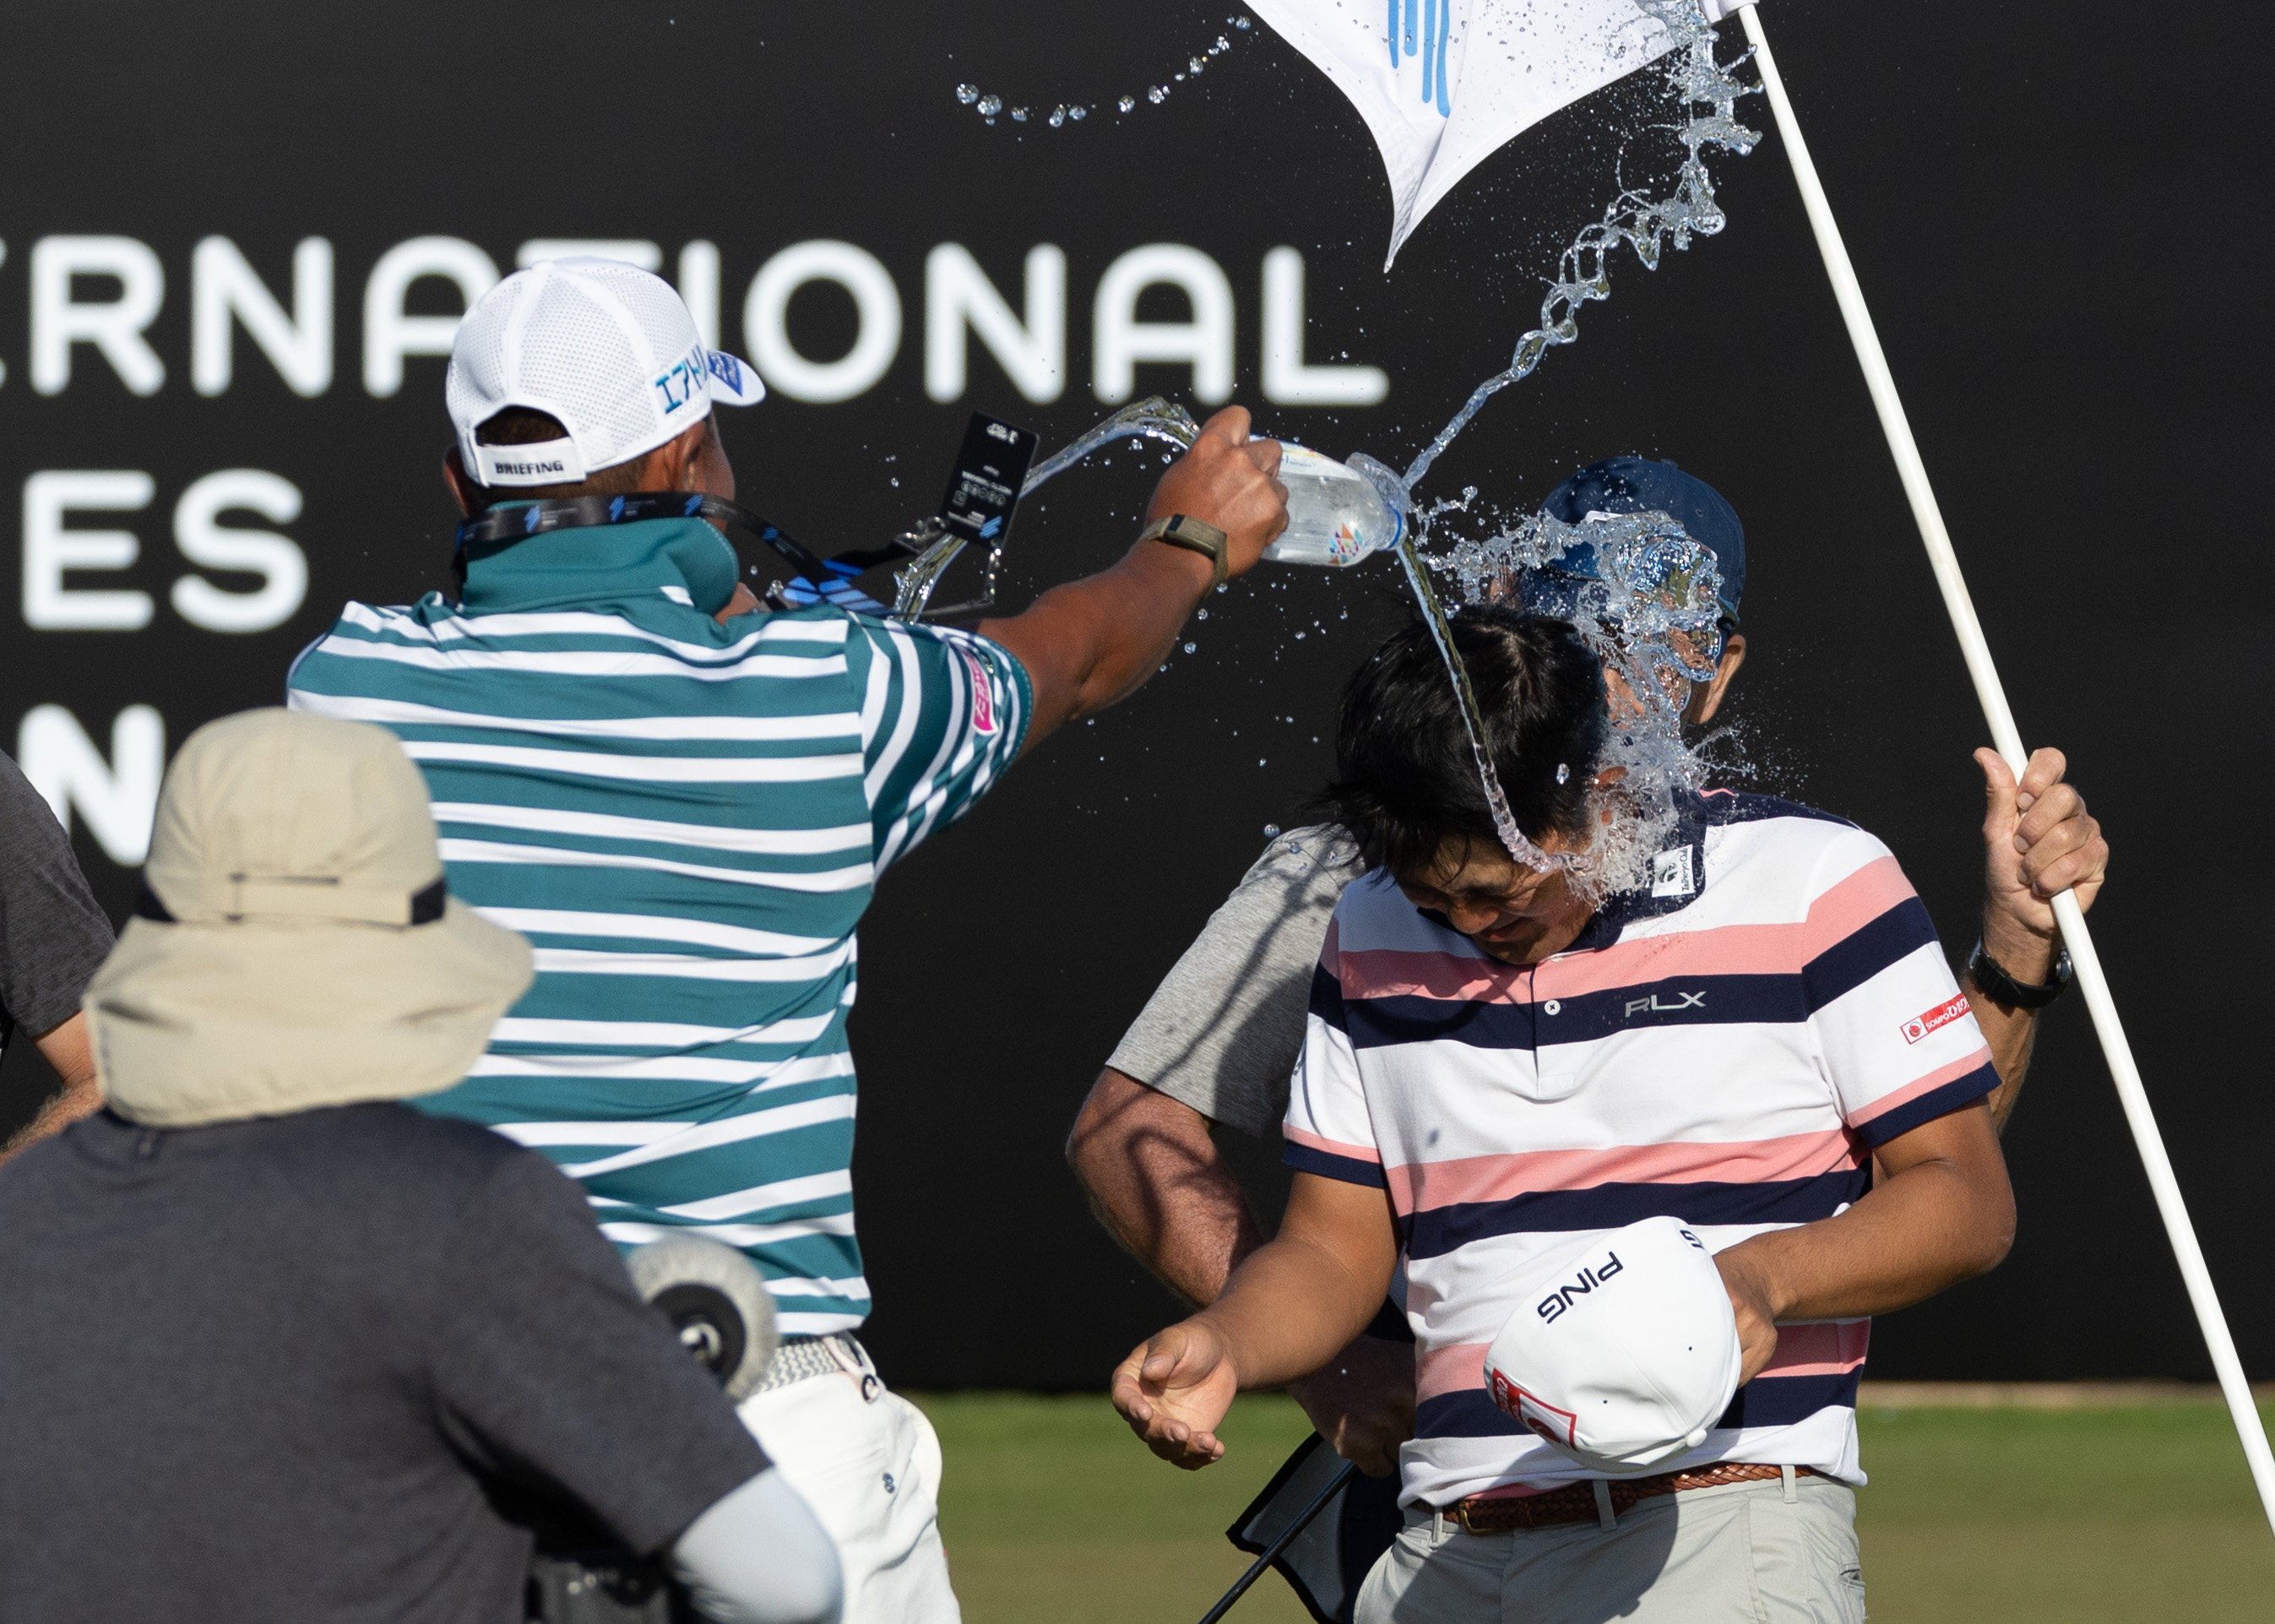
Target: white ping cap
[1624, 1353]
[605, 347]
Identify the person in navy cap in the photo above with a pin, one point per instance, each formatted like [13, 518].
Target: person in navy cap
[1622, 485]
[1218, 1041]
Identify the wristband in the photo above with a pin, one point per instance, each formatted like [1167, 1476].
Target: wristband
[1195, 536]
[2000, 988]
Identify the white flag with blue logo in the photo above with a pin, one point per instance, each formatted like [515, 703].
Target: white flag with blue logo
[1442, 83]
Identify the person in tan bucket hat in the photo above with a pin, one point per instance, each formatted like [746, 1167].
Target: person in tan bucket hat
[303, 1346]
[293, 945]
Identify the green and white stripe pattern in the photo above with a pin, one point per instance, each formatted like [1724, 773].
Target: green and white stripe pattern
[686, 820]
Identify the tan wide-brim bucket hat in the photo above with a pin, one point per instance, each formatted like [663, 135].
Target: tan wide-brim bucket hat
[294, 945]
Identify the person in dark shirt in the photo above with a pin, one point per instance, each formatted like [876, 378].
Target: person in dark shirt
[282, 1348]
[52, 936]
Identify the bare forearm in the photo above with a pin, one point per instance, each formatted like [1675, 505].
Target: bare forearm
[1091, 643]
[2038, 842]
[59, 1113]
[2012, 1033]
[68, 1050]
[1157, 1182]
[1930, 1225]
[1292, 1306]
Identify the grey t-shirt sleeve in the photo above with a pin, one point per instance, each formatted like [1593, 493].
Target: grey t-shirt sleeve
[549, 1368]
[53, 936]
[1222, 1031]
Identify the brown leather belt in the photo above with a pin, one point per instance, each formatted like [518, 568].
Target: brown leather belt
[1575, 1502]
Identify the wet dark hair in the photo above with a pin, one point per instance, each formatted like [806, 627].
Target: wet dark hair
[1405, 781]
[526, 425]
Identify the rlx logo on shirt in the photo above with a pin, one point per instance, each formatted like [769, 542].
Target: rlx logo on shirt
[1659, 1004]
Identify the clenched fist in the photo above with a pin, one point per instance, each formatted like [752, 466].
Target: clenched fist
[1231, 481]
[2038, 841]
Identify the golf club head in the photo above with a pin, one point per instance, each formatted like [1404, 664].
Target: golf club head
[718, 1303]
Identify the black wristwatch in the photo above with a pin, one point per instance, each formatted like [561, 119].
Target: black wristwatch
[2002, 989]
[1194, 535]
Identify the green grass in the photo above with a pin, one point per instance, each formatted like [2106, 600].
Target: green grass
[1055, 1515]
[2035, 1516]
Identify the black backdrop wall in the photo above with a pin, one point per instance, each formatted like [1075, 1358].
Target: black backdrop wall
[2048, 212]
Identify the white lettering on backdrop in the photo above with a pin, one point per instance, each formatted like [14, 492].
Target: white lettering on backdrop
[96, 303]
[115, 797]
[104, 292]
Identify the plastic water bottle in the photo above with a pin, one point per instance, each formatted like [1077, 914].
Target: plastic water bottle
[1336, 516]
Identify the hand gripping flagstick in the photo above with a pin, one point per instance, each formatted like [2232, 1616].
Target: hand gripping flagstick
[2009, 739]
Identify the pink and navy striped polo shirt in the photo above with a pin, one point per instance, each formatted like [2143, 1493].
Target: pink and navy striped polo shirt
[1728, 1049]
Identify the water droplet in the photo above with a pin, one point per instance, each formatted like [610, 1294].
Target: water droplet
[1271, 831]
[1019, 115]
[1200, 614]
[1128, 103]
[1058, 117]
[1190, 647]
[1077, 113]
[967, 93]
[1259, 761]
[1158, 95]
[991, 105]
[1194, 64]
[1563, 772]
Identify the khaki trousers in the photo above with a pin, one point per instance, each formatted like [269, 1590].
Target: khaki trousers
[1771, 1552]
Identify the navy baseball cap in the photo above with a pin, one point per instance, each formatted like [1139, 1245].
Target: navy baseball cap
[1638, 485]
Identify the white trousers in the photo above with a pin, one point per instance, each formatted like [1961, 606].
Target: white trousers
[868, 1462]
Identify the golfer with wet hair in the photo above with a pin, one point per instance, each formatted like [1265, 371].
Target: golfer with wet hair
[1503, 1067]
[1217, 1042]
[285, 1350]
[685, 801]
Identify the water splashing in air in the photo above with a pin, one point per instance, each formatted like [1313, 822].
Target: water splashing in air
[1647, 744]
[1064, 113]
[1153, 417]
[1650, 615]
[1646, 599]
[1646, 224]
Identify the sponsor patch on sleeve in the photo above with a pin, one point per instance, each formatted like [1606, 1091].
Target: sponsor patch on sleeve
[983, 700]
[1936, 1019]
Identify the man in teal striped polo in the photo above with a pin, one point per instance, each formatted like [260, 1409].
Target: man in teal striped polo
[684, 802]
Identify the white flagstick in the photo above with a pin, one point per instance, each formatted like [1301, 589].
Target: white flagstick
[2009, 739]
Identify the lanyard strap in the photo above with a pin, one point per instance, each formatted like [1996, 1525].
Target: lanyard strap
[813, 580]
[510, 524]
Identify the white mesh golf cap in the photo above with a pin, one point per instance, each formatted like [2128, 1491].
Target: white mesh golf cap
[605, 347]
[1623, 1353]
